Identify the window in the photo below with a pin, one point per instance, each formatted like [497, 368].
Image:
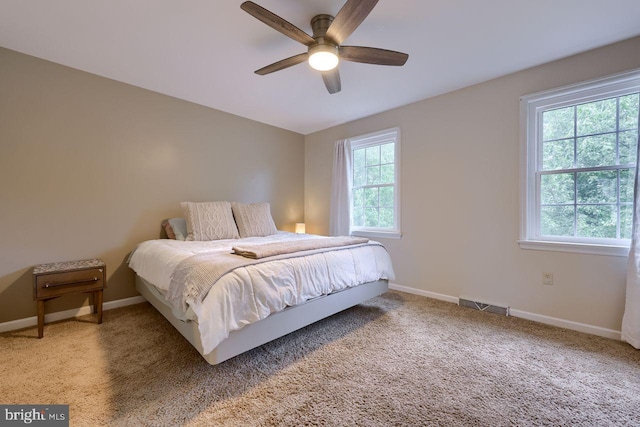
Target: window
[580, 149]
[375, 189]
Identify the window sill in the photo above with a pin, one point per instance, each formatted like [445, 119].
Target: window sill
[580, 248]
[377, 234]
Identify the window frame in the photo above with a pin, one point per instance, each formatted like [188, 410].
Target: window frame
[369, 140]
[531, 108]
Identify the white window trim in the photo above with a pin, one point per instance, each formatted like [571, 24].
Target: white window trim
[367, 140]
[530, 106]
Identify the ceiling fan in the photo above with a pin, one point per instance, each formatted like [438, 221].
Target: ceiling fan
[325, 46]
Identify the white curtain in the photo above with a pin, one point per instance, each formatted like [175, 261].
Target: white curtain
[631, 319]
[340, 214]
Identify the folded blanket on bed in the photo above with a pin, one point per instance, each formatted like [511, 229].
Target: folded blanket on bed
[280, 248]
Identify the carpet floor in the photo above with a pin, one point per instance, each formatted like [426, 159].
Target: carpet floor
[398, 360]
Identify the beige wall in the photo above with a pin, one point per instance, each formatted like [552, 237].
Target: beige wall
[460, 197]
[89, 167]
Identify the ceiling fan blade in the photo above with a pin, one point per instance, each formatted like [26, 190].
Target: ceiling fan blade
[372, 55]
[281, 65]
[347, 20]
[277, 23]
[332, 80]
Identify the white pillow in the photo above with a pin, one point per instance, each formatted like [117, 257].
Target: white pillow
[209, 220]
[254, 219]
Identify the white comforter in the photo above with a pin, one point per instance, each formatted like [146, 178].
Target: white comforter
[249, 294]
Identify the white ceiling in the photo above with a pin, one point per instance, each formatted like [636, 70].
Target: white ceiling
[206, 51]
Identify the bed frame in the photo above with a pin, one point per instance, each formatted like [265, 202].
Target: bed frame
[275, 326]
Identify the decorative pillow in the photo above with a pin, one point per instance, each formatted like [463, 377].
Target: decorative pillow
[169, 230]
[176, 228]
[209, 221]
[254, 219]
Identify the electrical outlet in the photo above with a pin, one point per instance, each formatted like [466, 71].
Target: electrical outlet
[547, 278]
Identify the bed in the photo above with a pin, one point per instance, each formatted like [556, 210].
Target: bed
[229, 295]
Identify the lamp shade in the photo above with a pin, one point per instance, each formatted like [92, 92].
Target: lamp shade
[300, 228]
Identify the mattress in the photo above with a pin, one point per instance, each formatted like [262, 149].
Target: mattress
[249, 294]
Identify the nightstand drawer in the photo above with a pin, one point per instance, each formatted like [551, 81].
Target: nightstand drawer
[55, 284]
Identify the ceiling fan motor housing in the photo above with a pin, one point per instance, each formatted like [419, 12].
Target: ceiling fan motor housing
[320, 24]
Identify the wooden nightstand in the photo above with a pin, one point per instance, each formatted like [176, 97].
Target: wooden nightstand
[61, 278]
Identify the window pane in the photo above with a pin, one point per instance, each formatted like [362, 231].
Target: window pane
[386, 196]
[359, 176]
[629, 111]
[373, 175]
[557, 154]
[557, 188]
[371, 217]
[386, 217]
[628, 147]
[598, 150]
[371, 197]
[597, 187]
[557, 124]
[373, 155]
[358, 217]
[387, 175]
[597, 221]
[556, 220]
[387, 153]
[626, 218]
[626, 185]
[358, 197]
[358, 158]
[596, 117]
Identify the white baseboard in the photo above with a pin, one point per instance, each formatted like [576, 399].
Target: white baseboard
[547, 320]
[554, 321]
[427, 294]
[67, 314]
[567, 324]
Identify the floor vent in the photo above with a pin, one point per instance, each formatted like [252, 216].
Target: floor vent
[484, 307]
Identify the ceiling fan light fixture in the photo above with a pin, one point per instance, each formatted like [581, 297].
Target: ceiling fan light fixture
[323, 57]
